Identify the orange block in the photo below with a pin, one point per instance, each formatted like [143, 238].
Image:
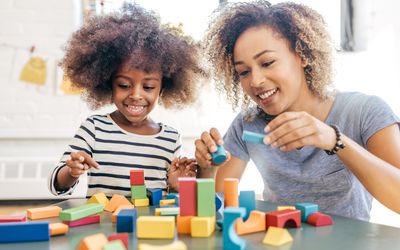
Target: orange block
[58, 228]
[119, 208]
[93, 242]
[116, 200]
[255, 223]
[183, 224]
[231, 196]
[43, 212]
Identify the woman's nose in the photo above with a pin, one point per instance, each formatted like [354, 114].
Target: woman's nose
[257, 79]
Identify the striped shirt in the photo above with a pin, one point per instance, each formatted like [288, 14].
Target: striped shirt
[117, 152]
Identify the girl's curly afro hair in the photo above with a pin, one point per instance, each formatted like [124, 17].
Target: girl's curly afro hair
[132, 35]
[301, 26]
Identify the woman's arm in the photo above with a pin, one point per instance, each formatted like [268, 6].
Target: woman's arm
[234, 168]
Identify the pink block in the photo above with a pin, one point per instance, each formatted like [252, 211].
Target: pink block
[121, 236]
[319, 220]
[187, 196]
[12, 218]
[84, 221]
[137, 177]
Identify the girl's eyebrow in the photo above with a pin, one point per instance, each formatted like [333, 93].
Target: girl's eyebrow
[255, 56]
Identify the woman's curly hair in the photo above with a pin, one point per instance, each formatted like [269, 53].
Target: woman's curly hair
[133, 35]
[301, 26]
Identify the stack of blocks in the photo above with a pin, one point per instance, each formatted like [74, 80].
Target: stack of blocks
[138, 188]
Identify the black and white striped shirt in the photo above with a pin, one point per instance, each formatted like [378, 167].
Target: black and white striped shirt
[117, 152]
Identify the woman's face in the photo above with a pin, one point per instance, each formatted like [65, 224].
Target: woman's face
[269, 71]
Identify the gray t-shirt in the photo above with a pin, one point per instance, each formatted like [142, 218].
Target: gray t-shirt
[309, 174]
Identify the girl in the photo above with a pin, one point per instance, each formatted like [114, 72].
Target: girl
[130, 60]
[331, 148]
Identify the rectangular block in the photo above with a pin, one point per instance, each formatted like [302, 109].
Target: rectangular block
[141, 202]
[58, 228]
[137, 177]
[156, 227]
[43, 212]
[81, 211]
[231, 195]
[93, 219]
[24, 231]
[12, 218]
[138, 192]
[126, 220]
[202, 226]
[114, 215]
[159, 210]
[247, 199]
[154, 195]
[188, 196]
[206, 197]
[183, 224]
[169, 202]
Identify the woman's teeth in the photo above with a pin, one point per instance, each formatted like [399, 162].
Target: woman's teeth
[268, 93]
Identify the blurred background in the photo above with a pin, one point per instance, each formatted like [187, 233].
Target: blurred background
[40, 113]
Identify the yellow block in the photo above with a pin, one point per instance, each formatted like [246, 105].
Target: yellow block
[168, 202]
[155, 227]
[163, 209]
[95, 241]
[116, 201]
[202, 226]
[176, 245]
[141, 202]
[119, 208]
[99, 198]
[277, 236]
[58, 228]
[279, 208]
[43, 212]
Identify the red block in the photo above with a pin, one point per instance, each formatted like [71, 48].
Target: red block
[122, 236]
[137, 177]
[84, 221]
[282, 218]
[187, 196]
[12, 218]
[319, 219]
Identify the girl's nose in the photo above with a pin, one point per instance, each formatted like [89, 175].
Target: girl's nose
[136, 93]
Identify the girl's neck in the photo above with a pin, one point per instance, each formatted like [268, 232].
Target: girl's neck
[144, 127]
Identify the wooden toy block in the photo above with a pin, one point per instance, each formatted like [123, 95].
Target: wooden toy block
[279, 208]
[218, 200]
[276, 236]
[171, 196]
[119, 208]
[27, 231]
[183, 224]
[255, 223]
[81, 211]
[141, 202]
[93, 242]
[170, 213]
[202, 226]
[116, 200]
[155, 227]
[154, 195]
[168, 202]
[231, 197]
[12, 218]
[176, 245]
[92, 219]
[205, 197]
[187, 196]
[319, 219]
[306, 209]
[247, 199]
[99, 198]
[219, 156]
[126, 220]
[43, 212]
[138, 192]
[253, 137]
[159, 210]
[124, 237]
[231, 240]
[137, 177]
[114, 245]
[58, 228]
[288, 217]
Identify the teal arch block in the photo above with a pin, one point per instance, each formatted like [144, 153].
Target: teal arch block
[231, 240]
[247, 199]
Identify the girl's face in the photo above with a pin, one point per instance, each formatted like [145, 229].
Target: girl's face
[135, 93]
[269, 72]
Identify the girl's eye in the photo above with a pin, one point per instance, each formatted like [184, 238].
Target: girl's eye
[148, 87]
[267, 64]
[123, 85]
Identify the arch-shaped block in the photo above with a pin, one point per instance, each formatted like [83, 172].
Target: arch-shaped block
[231, 240]
[255, 223]
[319, 219]
[282, 218]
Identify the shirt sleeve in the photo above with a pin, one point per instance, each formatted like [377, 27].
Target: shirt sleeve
[233, 142]
[83, 140]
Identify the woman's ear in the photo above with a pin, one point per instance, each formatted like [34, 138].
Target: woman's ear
[304, 61]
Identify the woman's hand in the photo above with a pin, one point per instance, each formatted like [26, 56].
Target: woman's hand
[294, 130]
[80, 162]
[181, 167]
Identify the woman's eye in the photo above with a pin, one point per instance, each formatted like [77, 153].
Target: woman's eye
[267, 64]
[243, 73]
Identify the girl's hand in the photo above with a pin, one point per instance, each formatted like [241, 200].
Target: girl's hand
[79, 162]
[181, 167]
[294, 130]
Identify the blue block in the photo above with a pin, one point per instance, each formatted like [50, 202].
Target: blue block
[177, 200]
[126, 220]
[231, 240]
[154, 195]
[248, 136]
[306, 209]
[219, 156]
[247, 199]
[219, 200]
[171, 196]
[24, 231]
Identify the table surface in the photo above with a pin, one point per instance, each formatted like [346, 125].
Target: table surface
[344, 234]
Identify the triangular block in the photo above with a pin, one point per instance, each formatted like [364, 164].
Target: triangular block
[276, 236]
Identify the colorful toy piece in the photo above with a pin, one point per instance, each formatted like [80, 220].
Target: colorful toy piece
[306, 209]
[27, 231]
[92, 219]
[116, 201]
[12, 218]
[183, 224]
[99, 198]
[154, 195]
[168, 202]
[114, 245]
[126, 220]
[138, 192]
[231, 197]
[43, 212]
[219, 156]
[95, 241]
[81, 212]
[137, 177]
[141, 202]
[176, 245]
[279, 208]
[206, 197]
[187, 196]
[255, 223]
[119, 208]
[124, 237]
[58, 228]
[172, 196]
[218, 200]
[288, 217]
[276, 236]
[319, 220]
[156, 227]
[202, 226]
[160, 210]
[252, 137]
[247, 199]
[231, 240]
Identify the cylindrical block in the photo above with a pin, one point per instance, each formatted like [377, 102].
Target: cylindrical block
[231, 196]
[219, 156]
